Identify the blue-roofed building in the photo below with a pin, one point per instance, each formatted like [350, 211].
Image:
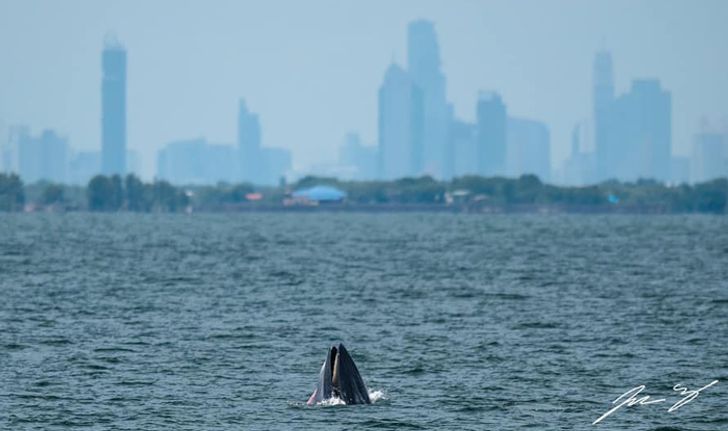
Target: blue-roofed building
[319, 194]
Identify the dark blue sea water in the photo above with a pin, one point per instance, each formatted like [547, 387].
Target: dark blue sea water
[482, 322]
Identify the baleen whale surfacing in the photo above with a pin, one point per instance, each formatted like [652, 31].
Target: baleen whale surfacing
[339, 378]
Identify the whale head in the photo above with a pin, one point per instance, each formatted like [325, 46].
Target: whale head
[340, 378]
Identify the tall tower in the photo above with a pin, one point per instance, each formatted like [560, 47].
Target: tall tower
[640, 134]
[423, 66]
[603, 98]
[251, 164]
[400, 125]
[491, 128]
[113, 108]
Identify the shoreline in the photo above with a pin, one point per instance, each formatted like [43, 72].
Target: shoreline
[546, 209]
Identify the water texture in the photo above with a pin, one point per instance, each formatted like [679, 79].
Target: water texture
[482, 322]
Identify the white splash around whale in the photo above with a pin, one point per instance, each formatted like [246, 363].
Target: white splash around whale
[374, 396]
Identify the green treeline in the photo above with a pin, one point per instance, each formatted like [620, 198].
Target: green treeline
[475, 192]
[131, 194]
[471, 193]
[12, 195]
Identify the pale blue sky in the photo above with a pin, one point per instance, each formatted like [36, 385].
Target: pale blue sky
[311, 69]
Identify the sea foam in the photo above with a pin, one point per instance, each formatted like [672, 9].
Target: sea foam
[374, 396]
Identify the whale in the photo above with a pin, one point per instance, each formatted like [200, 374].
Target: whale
[339, 378]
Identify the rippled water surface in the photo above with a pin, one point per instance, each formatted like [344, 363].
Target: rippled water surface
[161, 322]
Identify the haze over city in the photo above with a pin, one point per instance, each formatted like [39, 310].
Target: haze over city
[363, 214]
[312, 71]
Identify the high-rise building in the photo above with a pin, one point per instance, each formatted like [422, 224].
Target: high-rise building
[277, 164]
[258, 164]
[83, 166]
[183, 162]
[222, 163]
[249, 143]
[632, 132]
[423, 67]
[195, 161]
[9, 152]
[529, 150]
[603, 98]
[710, 157]
[639, 138]
[464, 152]
[113, 108]
[401, 125]
[42, 158]
[357, 160]
[29, 155]
[580, 167]
[491, 135]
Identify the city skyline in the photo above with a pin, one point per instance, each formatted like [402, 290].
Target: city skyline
[304, 154]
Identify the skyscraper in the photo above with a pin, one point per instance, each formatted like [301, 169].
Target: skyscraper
[29, 154]
[251, 163]
[710, 156]
[195, 161]
[276, 163]
[603, 97]
[580, 167]
[400, 125]
[491, 134]
[9, 152]
[463, 156]
[113, 108]
[423, 66]
[529, 149]
[42, 158]
[639, 137]
[83, 166]
[359, 159]
[632, 132]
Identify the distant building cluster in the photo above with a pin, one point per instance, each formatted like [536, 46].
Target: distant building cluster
[629, 137]
[195, 161]
[419, 134]
[626, 137]
[48, 156]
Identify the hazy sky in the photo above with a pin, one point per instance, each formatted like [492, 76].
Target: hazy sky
[312, 69]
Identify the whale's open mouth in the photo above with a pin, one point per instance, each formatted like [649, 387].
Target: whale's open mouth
[340, 378]
[334, 359]
[333, 354]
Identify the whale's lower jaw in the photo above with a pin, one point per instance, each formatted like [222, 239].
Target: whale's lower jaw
[312, 400]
